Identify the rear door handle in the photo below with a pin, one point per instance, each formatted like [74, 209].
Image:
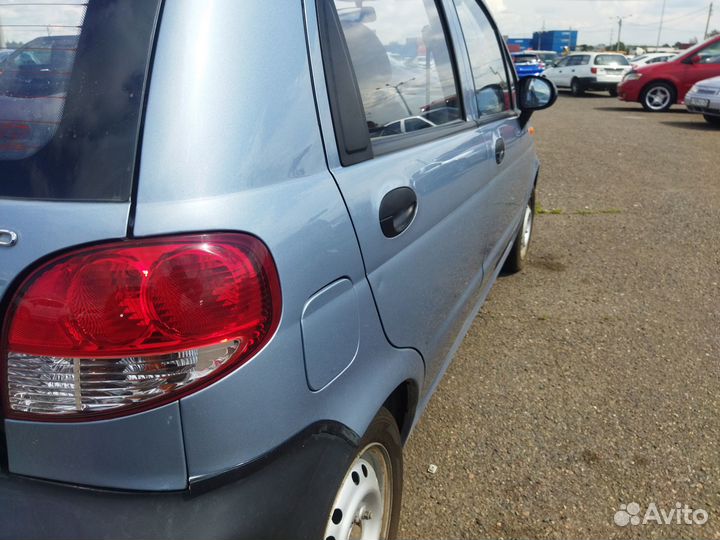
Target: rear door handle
[397, 211]
[7, 238]
[499, 151]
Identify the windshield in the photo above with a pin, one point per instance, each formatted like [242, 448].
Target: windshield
[71, 86]
[611, 59]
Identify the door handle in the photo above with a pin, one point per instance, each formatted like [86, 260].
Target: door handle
[397, 211]
[8, 238]
[499, 151]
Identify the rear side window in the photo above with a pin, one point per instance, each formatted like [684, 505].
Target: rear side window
[526, 59]
[579, 60]
[492, 88]
[72, 79]
[611, 59]
[402, 64]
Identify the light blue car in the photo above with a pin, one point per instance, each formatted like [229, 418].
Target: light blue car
[227, 293]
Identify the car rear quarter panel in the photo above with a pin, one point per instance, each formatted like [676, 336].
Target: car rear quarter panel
[232, 142]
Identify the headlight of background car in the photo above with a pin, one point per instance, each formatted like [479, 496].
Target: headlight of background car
[694, 89]
[633, 76]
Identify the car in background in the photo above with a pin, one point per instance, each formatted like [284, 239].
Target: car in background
[549, 57]
[650, 58]
[528, 64]
[704, 98]
[406, 125]
[40, 68]
[589, 71]
[4, 53]
[660, 86]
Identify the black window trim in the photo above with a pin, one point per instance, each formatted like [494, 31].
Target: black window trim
[346, 107]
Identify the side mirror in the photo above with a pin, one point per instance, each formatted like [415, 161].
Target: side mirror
[535, 94]
[693, 60]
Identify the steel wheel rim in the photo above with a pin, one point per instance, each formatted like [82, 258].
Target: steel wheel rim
[526, 232]
[658, 98]
[362, 507]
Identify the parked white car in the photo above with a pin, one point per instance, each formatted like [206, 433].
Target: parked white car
[650, 58]
[589, 71]
[704, 98]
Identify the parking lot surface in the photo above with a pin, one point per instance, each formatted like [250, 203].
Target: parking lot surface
[591, 379]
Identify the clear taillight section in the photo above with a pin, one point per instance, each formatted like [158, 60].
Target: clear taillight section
[113, 329]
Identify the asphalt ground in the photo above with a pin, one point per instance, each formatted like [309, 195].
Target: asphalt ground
[592, 378]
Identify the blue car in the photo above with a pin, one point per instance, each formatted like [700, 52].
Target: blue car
[227, 294]
[528, 65]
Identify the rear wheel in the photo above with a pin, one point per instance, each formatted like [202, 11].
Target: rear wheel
[577, 88]
[367, 504]
[714, 120]
[658, 97]
[519, 254]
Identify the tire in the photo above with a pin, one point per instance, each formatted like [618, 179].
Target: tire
[577, 88]
[365, 502]
[518, 257]
[658, 97]
[714, 120]
[613, 92]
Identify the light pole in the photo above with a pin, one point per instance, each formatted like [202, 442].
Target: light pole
[662, 20]
[707, 27]
[620, 25]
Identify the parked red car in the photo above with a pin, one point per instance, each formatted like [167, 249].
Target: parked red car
[659, 86]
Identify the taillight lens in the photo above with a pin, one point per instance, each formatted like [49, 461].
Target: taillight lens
[593, 70]
[112, 329]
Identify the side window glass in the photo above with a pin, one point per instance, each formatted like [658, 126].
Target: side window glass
[711, 54]
[486, 59]
[402, 64]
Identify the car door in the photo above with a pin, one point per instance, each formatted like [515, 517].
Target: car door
[575, 68]
[506, 193]
[418, 200]
[707, 67]
[559, 73]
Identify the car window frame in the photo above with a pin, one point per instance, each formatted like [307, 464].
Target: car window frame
[510, 71]
[346, 107]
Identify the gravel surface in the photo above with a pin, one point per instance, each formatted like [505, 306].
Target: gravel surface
[590, 380]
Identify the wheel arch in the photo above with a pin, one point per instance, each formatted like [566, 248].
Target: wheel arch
[670, 82]
[402, 404]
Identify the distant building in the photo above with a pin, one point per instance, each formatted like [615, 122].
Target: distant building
[555, 40]
[519, 44]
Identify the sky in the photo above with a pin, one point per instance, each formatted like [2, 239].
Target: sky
[595, 20]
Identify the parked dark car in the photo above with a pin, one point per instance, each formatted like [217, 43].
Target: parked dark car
[39, 68]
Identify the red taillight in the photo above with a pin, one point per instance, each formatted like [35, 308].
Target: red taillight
[109, 329]
[594, 70]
